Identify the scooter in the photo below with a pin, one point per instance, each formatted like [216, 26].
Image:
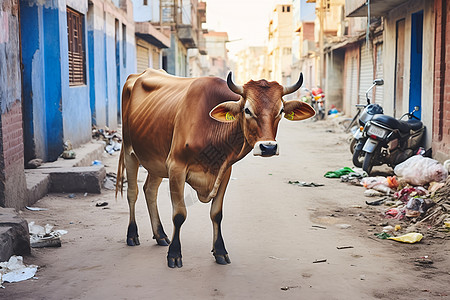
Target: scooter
[369, 110]
[391, 141]
[318, 103]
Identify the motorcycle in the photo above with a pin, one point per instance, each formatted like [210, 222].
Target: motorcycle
[369, 110]
[391, 141]
[318, 103]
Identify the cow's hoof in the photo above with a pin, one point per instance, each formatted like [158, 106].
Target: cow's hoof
[133, 241]
[222, 259]
[173, 262]
[163, 242]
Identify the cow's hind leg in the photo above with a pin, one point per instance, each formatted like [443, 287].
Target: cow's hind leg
[177, 177]
[151, 192]
[132, 167]
[219, 251]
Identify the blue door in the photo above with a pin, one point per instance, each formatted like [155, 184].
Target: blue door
[415, 88]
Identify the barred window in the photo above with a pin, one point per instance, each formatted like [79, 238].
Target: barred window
[77, 69]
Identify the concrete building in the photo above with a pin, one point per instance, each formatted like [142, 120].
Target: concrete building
[251, 63]
[303, 44]
[12, 175]
[150, 37]
[76, 57]
[280, 44]
[216, 47]
[407, 55]
[440, 141]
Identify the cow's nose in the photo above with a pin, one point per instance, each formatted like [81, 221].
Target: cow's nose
[265, 148]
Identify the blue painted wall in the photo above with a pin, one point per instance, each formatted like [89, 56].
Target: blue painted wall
[111, 61]
[53, 111]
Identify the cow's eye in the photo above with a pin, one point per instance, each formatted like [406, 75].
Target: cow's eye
[247, 111]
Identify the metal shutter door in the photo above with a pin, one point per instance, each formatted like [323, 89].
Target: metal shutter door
[142, 58]
[379, 90]
[366, 73]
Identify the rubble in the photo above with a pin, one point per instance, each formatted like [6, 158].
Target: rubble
[111, 138]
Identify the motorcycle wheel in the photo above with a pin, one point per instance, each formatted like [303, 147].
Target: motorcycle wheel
[358, 158]
[367, 164]
[353, 145]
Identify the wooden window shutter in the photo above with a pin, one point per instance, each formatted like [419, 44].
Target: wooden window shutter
[77, 69]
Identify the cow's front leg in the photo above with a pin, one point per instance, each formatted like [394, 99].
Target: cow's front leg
[219, 251]
[177, 177]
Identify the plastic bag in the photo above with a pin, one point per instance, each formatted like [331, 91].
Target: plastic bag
[379, 183]
[410, 238]
[419, 170]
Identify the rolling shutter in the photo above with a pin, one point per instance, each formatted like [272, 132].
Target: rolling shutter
[366, 73]
[142, 57]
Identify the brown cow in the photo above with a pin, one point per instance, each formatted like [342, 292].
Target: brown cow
[193, 130]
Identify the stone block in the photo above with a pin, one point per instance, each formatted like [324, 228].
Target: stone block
[14, 235]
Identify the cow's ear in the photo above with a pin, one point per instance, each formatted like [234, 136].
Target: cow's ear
[296, 110]
[226, 112]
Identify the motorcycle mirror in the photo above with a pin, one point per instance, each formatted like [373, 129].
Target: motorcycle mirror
[416, 108]
[378, 81]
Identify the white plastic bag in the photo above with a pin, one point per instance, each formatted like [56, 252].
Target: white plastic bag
[419, 170]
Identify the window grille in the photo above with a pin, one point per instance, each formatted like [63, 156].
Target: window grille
[77, 72]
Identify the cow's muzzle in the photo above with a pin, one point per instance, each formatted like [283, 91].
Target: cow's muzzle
[266, 148]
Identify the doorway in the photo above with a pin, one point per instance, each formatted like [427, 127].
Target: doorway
[415, 88]
[399, 67]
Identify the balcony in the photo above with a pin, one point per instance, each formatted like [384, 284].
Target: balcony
[378, 8]
[151, 34]
[202, 45]
[187, 35]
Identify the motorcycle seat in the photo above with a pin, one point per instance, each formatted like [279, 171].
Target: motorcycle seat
[403, 126]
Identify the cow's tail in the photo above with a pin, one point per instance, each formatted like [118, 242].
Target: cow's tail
[120, 172]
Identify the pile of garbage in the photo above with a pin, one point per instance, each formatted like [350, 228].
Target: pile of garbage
[111, 138]
[419, 193]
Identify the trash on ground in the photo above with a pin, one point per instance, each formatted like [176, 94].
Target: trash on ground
[97, 163]
[277, 258]
[389, 229]
[305, 184]
[35, 208]
[410, 238]
[34, 163]
[318, 226]
[287, 288]
[377, 202]
[343, 226]
[344, 247]
[111, 138]
[424, 260]
[319, 261]
[71, 196]
[68, 152]
[383, 235]
[338, 173]
[109, 184]
[101, 203]
[14, 270]
[373, 193]
[381, 184]
[395, 213]
[44, 236]
[419, 170]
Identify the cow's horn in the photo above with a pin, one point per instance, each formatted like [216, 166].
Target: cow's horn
[293, 88]
[238, 89]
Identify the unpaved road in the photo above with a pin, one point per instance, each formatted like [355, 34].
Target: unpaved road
[268, 230]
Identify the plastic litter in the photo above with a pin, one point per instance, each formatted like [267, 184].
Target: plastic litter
[14, 270]
[419, 170]
[373, 193]
[383, 235]
[338, 173]
[305, 184]
[410, 238]
[381, 184]
[44, 236]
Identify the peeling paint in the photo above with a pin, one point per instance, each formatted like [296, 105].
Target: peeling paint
[4, 25]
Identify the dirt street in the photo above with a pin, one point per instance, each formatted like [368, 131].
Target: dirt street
[273, 231]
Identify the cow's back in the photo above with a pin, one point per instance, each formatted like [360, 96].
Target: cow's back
[161, 112]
